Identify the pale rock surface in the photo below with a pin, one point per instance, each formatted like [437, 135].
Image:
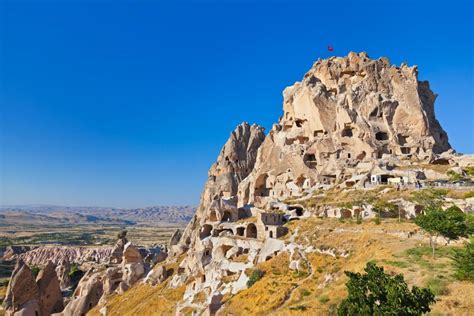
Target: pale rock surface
[23, 296]
[62, 271]
[40, 256]
[51, 300]
[348, 119]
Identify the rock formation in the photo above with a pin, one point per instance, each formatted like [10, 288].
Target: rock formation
[101, 281]
[25, 296]
[347, 124]
[174, 238]
[62, 271]
[349, 119]
[344, 118]
[117, 251]
[40, 256]
[51, 300]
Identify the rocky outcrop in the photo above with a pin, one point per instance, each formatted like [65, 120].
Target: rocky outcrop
[25, 296]
[347, 123]
[87, 294]
[56, 254]
[157, 275]
[102, 280]
[235, 162]
[174, 240]
[11, 252]
[51, 300]
[132, 266]
[62, 271]
[346, 117]
[117, 251]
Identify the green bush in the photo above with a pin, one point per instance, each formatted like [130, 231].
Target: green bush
[464, 262]
[469, 194]
[377, 220]
[305, 292]
[377, 293]
[453, 176]
[35, 270]
[323, 299]
[469, 170]
[254, 277]
[298, 308]
[429, 198]
[74, 269]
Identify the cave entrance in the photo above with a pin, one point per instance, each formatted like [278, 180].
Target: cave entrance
[251, 231]
[206, 231]
[381, 136]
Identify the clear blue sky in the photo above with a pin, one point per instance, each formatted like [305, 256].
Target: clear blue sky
[129, 104]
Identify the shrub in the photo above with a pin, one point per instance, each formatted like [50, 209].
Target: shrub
[438, 285]
[35, 270]
[359, 220]
[377, 220]
[469, 194]
[298, 308]
[469, 170]
[376, 293]
[429, 198]
[323, 299]
[74, 269]
[464, 262]
[453, 176]
[254, 277]
[305, 292]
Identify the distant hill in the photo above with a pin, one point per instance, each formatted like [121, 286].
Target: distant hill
[60, 215]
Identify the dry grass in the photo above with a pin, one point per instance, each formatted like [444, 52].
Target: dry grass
[366, 242]
[284, 292]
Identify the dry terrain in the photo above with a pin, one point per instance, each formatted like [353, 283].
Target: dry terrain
[320, 288]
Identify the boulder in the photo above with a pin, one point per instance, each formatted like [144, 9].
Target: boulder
[51, 300]
[174, 240]
[157, 275]
[22, 295]
[87, 294]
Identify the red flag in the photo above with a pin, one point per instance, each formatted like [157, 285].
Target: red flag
[330, 48]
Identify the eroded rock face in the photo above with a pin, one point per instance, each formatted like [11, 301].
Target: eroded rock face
[62, 271]
[349, 118]
[101, 281]
[235, 162]
[117, 251]
[132, 265]
[175, 238]
[51, 300]
[56, 254]
[23, 295]
[345, 117]
[87, 294]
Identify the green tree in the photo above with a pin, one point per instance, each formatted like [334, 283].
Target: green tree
[464, 262]
[429, 198]
[377, 293]
[450, 224]
[453, 175]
